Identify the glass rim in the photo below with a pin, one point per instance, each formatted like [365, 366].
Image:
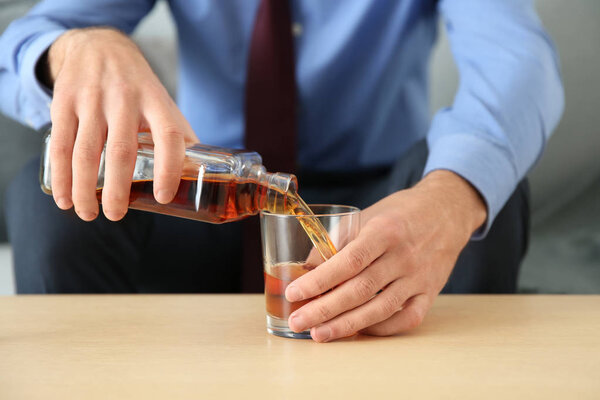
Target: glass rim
[350, 210]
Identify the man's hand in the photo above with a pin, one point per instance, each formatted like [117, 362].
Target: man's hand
[385, 280]
[105, 92]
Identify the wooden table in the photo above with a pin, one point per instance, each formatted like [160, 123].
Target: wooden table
[216, 346]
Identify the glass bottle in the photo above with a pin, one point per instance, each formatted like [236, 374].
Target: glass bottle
[217, 184]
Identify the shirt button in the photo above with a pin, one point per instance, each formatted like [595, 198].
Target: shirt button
[297, 29]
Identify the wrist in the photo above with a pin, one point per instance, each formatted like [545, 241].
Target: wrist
[465, 204]
[55, 56]
[74, 41]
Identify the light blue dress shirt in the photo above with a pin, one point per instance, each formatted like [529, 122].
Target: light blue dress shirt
[362, 73]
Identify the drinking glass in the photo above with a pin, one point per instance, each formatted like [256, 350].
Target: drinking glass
[288, 253]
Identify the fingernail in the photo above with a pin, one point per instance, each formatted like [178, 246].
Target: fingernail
[321, 333]
[113, 215]
[296, 322]
[164, 196]
[86, 215]
[63, 203]
[292, 293]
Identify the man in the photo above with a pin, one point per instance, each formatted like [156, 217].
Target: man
[362, 118]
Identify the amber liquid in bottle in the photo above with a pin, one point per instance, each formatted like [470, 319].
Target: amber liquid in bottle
[221, 199]
[226, 198]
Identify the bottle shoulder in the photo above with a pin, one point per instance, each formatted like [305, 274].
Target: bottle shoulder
[213, 159]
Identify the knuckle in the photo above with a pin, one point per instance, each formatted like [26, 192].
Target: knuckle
[414, 318]
[86, 154]
[365, 287]
[168, 167]
[375, 225]
[320, 285]
[393, 232]
[64, 84]
[171, 133]
[90, 91]
[323, 312]
[420, 314]
[390, 304]
[166, 174]
[59, 149]
[60, 107]
[348, 327]
[88, 102]
[356, 259]
[411, 258]
[158, 90]
[124, 89]
[121, 152]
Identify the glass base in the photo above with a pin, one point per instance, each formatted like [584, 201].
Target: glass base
[279, 327]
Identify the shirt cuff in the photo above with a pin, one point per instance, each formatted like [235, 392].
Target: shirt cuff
[484, 164]
[36, 97]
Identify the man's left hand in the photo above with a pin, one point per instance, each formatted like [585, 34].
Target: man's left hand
[386, 279]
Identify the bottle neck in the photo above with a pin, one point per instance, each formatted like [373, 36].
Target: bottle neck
[275, 190]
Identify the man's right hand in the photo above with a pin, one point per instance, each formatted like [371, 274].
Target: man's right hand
[105, 92]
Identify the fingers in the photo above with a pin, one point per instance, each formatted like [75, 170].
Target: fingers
[104, 84]
[121, 152]
[86, 159]
[347, 296]
[376, 310]
[410, 317]
[350, 261]
[61, 150]
[169, 150]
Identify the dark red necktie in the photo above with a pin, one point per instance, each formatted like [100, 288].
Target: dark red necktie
[270, 106]
[271, 88]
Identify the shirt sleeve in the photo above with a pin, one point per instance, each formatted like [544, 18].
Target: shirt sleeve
[510, 97]
[22, 96]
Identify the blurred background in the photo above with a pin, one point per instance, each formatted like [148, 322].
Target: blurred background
[564, 252]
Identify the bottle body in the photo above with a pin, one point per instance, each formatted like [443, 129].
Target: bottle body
[217, 185]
